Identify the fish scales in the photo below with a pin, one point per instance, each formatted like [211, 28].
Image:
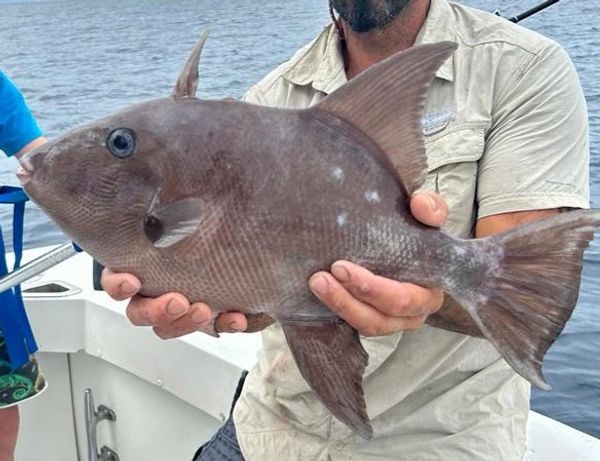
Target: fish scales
[254, 240]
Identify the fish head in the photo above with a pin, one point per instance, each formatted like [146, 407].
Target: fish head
[103, 176]
[101, 182]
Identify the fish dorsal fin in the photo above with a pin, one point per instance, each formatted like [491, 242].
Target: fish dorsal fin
[187, 83]
[386, 102]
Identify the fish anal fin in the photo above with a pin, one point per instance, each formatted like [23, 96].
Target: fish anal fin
[258, 322]
[331, 358]
[386, 102]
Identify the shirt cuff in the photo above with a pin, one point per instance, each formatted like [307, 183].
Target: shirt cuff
[531, 201]
[16, 143]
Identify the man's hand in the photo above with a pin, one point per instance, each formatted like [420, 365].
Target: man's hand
[171, 315]
[373, 305]
[377, 306]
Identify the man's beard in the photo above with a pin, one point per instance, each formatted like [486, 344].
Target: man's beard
[365, 15]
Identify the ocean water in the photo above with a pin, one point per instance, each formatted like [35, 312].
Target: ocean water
[78, 60]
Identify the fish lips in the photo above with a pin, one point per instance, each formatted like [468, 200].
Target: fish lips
[25, 170]
[32, 161]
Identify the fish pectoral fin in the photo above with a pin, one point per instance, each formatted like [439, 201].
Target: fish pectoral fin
[332, 360]
[172, 223]
[386, 103]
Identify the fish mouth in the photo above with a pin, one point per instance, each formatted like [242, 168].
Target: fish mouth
[25, 170]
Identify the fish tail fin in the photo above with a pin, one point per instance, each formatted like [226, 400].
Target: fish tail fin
[526, 286]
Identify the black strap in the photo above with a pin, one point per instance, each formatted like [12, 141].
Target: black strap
[98, 268]
[238, 391]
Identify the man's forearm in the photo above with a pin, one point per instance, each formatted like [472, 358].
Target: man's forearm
[454, 318]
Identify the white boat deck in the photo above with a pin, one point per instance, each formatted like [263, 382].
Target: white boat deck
[169, 396]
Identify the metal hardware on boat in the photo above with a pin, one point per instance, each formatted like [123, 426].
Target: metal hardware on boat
[106, 454]
[39, 265]
[92, 418]
[48, 289]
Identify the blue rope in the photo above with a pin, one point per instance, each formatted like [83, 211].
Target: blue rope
[20, 342]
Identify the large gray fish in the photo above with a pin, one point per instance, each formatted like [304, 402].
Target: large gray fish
[237, 205]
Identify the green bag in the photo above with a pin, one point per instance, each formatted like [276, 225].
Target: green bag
[25, 382]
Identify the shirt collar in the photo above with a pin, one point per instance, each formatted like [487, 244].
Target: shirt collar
[321, 65]
[440, 26]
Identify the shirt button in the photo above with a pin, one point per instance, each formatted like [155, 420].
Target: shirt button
[338, 445]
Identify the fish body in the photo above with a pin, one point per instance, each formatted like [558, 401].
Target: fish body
[258, 238]
[237, 205]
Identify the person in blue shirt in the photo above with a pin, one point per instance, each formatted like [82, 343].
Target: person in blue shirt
[19, 133]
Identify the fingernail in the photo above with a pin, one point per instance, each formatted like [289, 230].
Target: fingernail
[319, 285]
[176, 307]
[340, 272]
[234, 326]
[198, 316]
[127, 288]
[432, 203]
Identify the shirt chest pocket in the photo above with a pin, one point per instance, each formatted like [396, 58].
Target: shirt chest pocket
[452, 158]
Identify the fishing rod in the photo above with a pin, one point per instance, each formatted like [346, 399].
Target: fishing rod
[536, 9]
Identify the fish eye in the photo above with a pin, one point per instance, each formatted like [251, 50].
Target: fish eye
[121, 142]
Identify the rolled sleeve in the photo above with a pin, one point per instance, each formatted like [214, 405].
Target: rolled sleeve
[18, 127]
[537, 150]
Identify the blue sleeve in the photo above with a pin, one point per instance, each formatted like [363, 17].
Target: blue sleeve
[17, 126]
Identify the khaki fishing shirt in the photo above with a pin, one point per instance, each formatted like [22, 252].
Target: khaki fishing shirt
[506, 130]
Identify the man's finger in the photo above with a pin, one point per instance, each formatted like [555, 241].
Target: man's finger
[429, 208]
[365, 318]
[159, 311]
[196, 319]
[119, 286]
[231, 322]
[388, 296]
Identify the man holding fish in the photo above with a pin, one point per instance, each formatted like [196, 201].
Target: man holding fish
[506, 136]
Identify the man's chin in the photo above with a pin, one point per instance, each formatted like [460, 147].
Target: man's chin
[362, 20]
[364, 28]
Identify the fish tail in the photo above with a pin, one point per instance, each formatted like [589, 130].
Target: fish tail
[525, 285]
